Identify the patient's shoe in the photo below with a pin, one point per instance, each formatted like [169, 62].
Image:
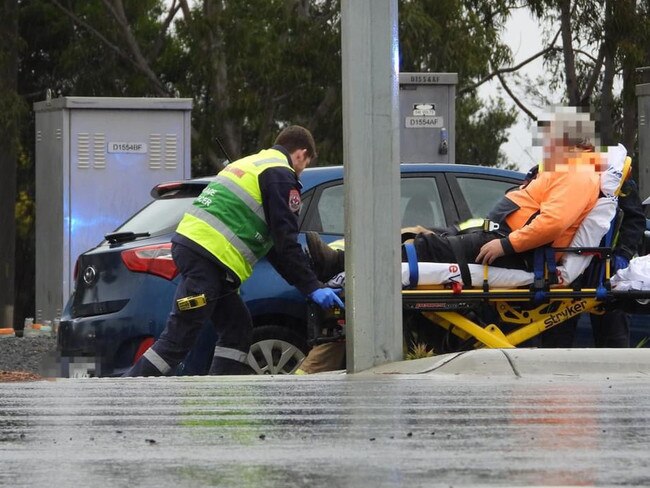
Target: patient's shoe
[327, 261]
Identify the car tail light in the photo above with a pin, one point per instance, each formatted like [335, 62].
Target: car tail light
[159, 190]
[146, 343]
[156, 260]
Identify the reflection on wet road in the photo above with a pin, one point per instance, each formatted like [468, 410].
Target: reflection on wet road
[331, 430]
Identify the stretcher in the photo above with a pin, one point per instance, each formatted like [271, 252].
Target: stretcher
[486, 306]
[521, 313]
[486, 316]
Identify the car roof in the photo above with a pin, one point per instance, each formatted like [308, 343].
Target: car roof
[312, 177]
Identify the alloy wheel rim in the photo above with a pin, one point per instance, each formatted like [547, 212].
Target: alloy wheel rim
[273, 356]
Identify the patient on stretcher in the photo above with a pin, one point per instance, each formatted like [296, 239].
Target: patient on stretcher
[572, 208]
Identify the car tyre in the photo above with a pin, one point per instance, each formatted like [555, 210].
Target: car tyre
[276, 350]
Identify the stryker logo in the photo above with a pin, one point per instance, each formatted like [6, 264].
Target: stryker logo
[567, 313]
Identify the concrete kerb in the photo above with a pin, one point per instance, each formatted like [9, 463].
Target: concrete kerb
[526, 362]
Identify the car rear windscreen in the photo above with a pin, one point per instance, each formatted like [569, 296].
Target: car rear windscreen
[163, 215]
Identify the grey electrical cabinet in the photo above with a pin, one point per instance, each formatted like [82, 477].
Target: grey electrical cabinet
[643, 97]
[96, 161]
[427, 117]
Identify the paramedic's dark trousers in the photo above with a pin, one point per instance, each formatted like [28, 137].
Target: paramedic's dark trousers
[224, 307]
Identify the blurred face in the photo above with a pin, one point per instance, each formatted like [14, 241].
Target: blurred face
[561, 142]
[555, 149]
[300, 160]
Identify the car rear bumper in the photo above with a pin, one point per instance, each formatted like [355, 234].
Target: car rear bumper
[107, 341]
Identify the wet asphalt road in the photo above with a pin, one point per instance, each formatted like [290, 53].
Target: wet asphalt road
[326, 430]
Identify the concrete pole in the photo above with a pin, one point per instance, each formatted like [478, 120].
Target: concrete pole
[372, 192]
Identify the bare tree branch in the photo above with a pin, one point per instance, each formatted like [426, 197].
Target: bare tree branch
[116, 7]
[110, 7]
[585, 53]
[155, 50]
[94, 31]
[598, 64]
[510, 69]
[187, 13]
[573, 93]
[515, 99]
[609, 48]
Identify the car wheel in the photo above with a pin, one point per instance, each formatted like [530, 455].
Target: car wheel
[276, 350]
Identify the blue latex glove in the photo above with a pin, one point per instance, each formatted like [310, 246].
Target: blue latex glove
[326, 298]
[620, 262]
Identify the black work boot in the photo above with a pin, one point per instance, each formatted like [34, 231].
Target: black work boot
[327, 261]
[225, 366]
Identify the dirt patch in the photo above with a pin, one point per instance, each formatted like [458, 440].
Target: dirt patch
[10, 376]
[27, 355]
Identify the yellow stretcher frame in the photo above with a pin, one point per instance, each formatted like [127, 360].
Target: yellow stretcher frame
[444, 306]
[440, 307]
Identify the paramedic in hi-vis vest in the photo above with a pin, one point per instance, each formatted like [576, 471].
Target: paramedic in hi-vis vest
[249, 211]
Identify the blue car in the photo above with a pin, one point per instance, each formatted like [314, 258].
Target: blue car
[125, 286]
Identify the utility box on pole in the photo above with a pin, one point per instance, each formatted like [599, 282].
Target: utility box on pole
[643, 95]
[96, 162]
[427, 117]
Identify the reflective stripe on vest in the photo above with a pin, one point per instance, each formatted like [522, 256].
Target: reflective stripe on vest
[227, 218]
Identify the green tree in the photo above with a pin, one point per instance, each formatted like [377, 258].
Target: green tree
[256, 65]
[462, 37]
[251, 66]
[60, 54]
[601, 41]
[481, 131]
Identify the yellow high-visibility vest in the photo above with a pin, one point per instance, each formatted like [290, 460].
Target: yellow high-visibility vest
[227, 218]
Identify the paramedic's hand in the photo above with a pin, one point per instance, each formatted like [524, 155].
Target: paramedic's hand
[326, 298]
[619, 262]
[490, 251]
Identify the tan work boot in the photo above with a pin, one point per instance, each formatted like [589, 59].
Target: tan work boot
[327, 261]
